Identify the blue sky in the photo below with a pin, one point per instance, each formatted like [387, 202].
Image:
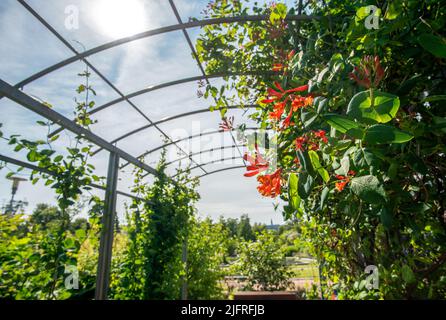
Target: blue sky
[28, 47]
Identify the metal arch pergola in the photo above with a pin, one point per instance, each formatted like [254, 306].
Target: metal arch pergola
[13, 93]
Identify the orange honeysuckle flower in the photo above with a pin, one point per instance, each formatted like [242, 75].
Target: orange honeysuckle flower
[297, 103]
[300, 141]
[278, 67]
[277, 112]
[270, 184]
[321, 135]
[343, 180]
[256, 165]
[275, 95]
[284, 61]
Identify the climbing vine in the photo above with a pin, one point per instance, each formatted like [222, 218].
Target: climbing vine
[357, 114]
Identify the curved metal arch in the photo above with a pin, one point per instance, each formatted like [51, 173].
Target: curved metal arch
[232, 146]
[180, 140]
[220, 170]
[201, 152]
[211, 162]
[150, 33]
[173, 83]
[167, 119]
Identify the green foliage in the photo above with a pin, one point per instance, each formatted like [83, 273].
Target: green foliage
[157, 232]
[263, 263]
[37, 270]
[382, 202]
[206, 249]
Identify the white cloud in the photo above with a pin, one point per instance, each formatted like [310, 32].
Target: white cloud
[28, 47]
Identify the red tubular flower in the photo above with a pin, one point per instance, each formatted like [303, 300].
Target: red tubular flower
[284, 61]
[277, 95]
[321, 135]
[343, 180]
[300, 141]
[297, 103]
[313, 146]
[379, 72]
[256, 164]
[278, 67]
[279, 108]
[270, 184]
[227, 124]
[369, 72]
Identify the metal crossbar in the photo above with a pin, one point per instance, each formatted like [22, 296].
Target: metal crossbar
[43, 170]
[123, 98]
[180, 140]
[178, 116]
[150, 33]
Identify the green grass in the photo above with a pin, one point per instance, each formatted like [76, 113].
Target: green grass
[307, 271]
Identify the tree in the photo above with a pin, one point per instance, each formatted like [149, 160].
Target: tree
[244, 229]
[206, 249]
[263, 263]
[49, 217]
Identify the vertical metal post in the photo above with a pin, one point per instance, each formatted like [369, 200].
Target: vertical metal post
[184, 260]
[108, 220]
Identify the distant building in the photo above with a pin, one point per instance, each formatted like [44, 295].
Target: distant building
[272, 226]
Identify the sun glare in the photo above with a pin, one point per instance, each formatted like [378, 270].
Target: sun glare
[119, 18]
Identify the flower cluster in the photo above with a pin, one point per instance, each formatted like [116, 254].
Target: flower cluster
[270, 184]
[256, 165]
[311, 140]
[343, 180]
[284, 62]
[369, 73]
[227, 124]
[280, 97]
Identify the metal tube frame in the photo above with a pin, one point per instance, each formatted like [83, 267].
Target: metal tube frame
[12, 92]
[180, 140]
[167, 119]
[107, 231]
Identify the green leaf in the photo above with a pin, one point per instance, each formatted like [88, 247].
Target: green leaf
[343, 124]
[345, 166]
[369, 189]
[380, 133]
[305, 184]
[434, 98]
[305, 162]
[386, 217]
[32, 156]
[393, 10]
[317, 165]
[385, 106]
[324, 196]
[293, 194]
[433, 44]
[308, 117]
[408, 275]
[80, 233]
